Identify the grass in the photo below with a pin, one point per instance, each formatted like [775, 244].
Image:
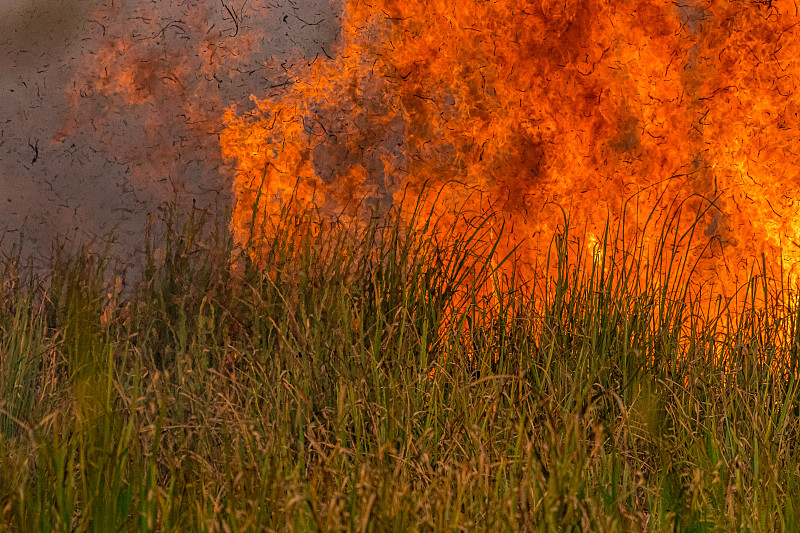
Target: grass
[364, 379]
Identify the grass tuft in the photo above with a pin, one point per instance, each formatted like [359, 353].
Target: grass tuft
[394, 376]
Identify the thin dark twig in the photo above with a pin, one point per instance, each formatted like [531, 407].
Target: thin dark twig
[233, 17]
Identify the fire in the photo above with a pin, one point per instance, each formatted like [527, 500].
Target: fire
[519, 108]
[631, 113]
[636, 114]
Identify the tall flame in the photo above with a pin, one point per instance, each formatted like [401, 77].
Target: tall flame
[684, 111]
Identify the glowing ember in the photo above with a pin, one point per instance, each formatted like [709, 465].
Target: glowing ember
[684, 111]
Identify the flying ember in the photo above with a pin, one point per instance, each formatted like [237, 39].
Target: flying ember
[631, 114]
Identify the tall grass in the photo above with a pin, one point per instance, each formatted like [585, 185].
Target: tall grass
[363, 378]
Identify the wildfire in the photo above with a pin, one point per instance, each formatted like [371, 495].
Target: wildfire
[637, 115]
[613, 111]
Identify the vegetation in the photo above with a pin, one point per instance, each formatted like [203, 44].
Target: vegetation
[366, 379]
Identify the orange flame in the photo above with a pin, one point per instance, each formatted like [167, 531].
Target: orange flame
[686, 111]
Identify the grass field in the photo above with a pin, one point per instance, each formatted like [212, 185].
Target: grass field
[364, 379]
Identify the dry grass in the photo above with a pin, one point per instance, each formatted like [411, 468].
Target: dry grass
[300, 397]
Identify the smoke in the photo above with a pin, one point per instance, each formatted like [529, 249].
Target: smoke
[113, 109]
